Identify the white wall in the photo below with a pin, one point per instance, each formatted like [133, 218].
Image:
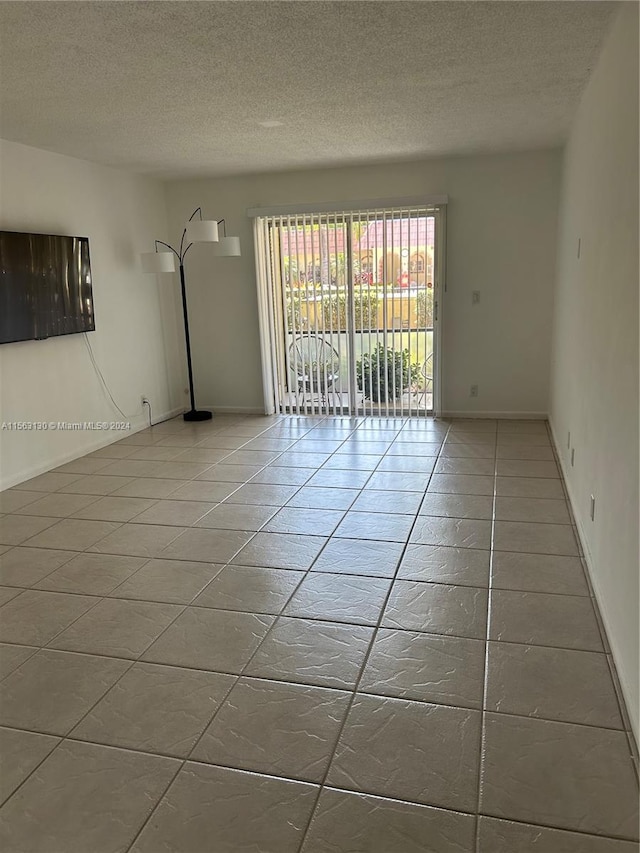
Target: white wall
[136, 339]
[501, 240]
[594, 385]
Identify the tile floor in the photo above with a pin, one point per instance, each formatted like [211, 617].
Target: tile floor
[275, 635]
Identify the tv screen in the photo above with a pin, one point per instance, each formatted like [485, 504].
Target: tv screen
[45, 286]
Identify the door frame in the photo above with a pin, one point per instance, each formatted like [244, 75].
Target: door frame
[440, 287]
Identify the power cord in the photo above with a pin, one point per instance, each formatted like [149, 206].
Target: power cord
[104, 383]
[145, 402]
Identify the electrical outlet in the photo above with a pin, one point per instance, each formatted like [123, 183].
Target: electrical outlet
[568, 441]
[475, 297]
[573, 456]
[473, 391]
[593, 508]
[144, 401]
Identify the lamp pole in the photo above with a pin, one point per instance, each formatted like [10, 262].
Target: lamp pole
[192, 415]
[204, 231]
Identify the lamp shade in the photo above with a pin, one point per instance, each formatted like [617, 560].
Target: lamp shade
[228, 247]
[158, 261]
[202, 231]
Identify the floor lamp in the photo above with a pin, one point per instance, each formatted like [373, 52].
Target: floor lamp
[196, 231]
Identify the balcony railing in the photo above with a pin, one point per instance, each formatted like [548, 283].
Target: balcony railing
[321, 383]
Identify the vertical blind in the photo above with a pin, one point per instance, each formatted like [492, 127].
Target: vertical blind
[349, 310]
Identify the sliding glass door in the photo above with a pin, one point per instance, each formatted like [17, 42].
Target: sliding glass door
[350, 310]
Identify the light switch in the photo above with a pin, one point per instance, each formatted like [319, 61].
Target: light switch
[475, 297]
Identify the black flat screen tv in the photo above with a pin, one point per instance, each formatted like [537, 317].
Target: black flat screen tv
[45, 286]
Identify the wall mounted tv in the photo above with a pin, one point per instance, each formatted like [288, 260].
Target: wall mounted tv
[45, 286]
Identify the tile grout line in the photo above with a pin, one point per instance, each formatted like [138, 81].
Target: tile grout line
[183, 762]
[354, 693]
[267, 679]
[218, 709]
[63, 738]
[254, 532]
[312, 619]
[284, 681]
[361, 489]
[101, 697]
[298, 781]
[174, 776]
[485, 674]
[39, 764]
[147, 560]
[305, 574]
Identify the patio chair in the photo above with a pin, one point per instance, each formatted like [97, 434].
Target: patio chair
[315, 364]
[425, 384]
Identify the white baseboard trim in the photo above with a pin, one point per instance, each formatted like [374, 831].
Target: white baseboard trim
[593, 580]
[103, 439]
[236, 410]
[257, 410]
[167, 416]
[525, 416]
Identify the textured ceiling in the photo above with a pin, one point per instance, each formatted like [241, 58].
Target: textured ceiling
[180, 88]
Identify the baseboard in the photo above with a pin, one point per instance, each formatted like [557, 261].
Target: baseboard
[167, 416]
[236, 410]
[257, 410]
[602, 614]
[525, 416]
[103, 439]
